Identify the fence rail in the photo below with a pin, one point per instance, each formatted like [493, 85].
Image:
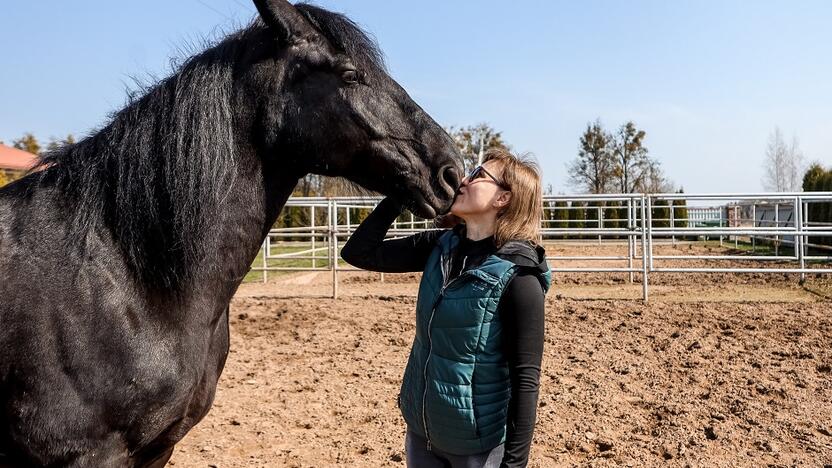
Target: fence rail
[641, 221]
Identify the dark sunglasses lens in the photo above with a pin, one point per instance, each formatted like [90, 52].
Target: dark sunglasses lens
[475, 173]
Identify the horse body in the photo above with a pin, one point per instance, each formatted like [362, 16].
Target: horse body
[119, 259]
[96, 372]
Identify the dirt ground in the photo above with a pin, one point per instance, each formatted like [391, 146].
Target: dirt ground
[716, 370]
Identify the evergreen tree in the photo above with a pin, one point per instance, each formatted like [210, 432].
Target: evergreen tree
[680, 212]
[826, 208]
[622, 216]
[592, 209]
[577, 216]
[661, 214]
[813, 181]
[610, 214]
[560, 216]
[54, 144]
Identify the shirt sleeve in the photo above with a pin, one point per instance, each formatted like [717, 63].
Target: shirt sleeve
[367, 248]
[522, 307]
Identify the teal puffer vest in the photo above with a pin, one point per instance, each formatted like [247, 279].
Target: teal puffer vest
[456, 387]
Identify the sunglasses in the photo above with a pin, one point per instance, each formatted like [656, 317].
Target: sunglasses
[480, 172]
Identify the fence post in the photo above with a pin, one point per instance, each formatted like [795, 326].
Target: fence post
[314, 252]
[753, 225]
[798, 238]
[804, 216]
[349, 208]
[268, 252]
[631, 240]
[650, 227]
[644, 228]
[332, 221]
[672, 221]
[777, 226]
[265, 260]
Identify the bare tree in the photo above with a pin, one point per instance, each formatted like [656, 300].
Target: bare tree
[473, 141]
[653, 180]
[592, 170]
[783, 164]
[630, 157]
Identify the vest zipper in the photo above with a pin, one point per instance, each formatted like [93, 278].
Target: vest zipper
[425, 372]
[445, 284]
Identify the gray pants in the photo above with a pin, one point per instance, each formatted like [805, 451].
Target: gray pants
[418, 456]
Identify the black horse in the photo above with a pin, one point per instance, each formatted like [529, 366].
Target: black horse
[119, 259]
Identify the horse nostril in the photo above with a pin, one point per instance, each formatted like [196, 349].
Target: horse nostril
[450, 176]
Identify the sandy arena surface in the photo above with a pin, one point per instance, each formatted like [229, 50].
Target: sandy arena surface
[716, 370]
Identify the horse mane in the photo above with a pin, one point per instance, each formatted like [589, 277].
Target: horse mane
[158, 171]
[157, 174]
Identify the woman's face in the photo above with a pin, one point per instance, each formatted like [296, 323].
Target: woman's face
[482, 195]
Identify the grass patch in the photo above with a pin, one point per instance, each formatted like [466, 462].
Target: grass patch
[785, 250]
[321, 262]
[285, 262]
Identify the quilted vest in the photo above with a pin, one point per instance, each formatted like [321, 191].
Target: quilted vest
[456, 386]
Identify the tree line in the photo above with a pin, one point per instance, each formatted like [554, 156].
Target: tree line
[29, 143]
[611, 215]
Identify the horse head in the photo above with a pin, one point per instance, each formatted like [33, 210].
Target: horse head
[325, 104]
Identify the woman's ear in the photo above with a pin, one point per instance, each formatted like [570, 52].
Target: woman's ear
[503, 199]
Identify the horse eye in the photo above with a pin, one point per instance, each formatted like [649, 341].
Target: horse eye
[349, 76]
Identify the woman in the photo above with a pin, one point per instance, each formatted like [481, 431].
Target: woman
[469, 392]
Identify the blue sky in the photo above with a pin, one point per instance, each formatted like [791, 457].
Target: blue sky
[707, 80]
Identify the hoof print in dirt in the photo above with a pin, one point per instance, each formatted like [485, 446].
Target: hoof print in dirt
[709, 433]
[604, 444]
[765, 446]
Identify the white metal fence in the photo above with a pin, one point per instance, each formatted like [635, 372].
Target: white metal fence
[641, 221]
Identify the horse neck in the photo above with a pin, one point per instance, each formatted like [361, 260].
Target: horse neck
[256, 197]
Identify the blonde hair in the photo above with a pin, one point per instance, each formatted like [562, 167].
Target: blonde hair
[520, 219]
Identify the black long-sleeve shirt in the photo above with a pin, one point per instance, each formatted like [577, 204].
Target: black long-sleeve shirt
[521, 308]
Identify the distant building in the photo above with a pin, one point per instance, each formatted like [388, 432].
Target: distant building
[14, 163]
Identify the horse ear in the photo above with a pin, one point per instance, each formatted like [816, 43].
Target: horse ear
[284, 19]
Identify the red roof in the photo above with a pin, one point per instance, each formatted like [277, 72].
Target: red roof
[15, 159]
